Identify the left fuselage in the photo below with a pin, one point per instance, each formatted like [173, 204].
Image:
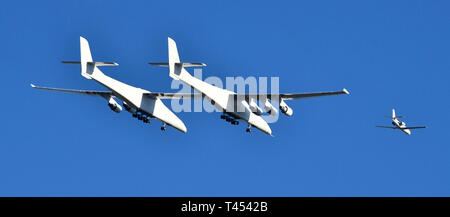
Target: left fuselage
[135, 96]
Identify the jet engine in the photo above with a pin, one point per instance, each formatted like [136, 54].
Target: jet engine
[114, 105]
[270, 109]
[129, 108]
[286, 109]
[254, 107]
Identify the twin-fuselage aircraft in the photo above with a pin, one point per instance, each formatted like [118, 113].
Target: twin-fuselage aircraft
[145, 105]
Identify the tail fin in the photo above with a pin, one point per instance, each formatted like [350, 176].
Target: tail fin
[393, 113]
[85, 52]
[88, 67]
[174, 69]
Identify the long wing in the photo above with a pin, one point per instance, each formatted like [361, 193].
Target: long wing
[284, 96]
[105, 94]
[291, 96]
[174, 95]
[421, 127]
[395, 128]
[316, 94]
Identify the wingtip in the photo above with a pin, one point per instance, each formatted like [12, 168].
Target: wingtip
[345, 91]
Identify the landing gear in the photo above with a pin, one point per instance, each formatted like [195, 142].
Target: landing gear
[146, 120]
[163, 127]
[229, 119]
[249, 129]
[134, 115]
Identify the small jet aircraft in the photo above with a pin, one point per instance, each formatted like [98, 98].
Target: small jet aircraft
[399, 125]
[234, 106]
[135, 100]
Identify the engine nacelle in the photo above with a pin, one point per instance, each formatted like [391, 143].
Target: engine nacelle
[129, 108]
[286, 109]
[270, 109]
[254, 107]
[113, 105]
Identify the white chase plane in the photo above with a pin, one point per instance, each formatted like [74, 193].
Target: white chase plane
[135, 100]
[234, 106]
[399, 125]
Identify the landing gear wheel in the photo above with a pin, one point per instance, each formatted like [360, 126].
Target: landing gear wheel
[249, 129]
[163, 128]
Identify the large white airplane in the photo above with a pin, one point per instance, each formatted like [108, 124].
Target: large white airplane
[135, 100]
[234, 106]
[399, 125]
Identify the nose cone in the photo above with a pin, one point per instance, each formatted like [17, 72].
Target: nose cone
[180, 126]
[407, 131]
[259, 123]
[265, 128]
[157, 108]
[176, 122]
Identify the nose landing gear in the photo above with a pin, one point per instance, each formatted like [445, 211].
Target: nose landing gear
[147, 120]
[249, 129]
[163, 127]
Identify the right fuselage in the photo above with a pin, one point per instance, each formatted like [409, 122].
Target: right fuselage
[226, 101]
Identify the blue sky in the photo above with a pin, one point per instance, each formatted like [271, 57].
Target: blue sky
[388, 54]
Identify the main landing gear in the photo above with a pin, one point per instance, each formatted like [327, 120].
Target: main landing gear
[163, 127]
[229, 119]
[144, 118]
[249, 129]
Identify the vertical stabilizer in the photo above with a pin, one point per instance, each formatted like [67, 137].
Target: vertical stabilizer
[85, 52]
[174, 69]
[393, 113]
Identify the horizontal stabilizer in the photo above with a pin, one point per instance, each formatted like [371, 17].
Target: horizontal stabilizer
[179, 64]
[94, 63]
